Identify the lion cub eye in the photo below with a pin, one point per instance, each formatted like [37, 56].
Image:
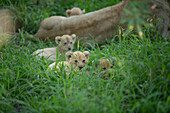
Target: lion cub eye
[104, 68]
[83, 61]
[70, 42]
[111, 67]
[75, 61]
[65, 43]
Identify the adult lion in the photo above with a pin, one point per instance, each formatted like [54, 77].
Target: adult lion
[99, 24]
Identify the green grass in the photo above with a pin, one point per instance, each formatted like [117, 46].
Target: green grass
[139, 84]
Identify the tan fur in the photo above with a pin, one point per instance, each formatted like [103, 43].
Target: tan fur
[76, 60]
[99, 24]
[65, 43]
[105, 64]
[74, 11]
[59, 65]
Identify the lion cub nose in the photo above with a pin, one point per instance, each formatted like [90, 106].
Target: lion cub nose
[69, 48]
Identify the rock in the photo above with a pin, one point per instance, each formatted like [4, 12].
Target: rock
[7, 26]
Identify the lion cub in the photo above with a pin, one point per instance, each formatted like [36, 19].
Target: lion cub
[76, 60]
[74, 11]
[65, 43]
[106, 66]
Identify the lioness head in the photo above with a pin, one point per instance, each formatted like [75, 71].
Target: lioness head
[77, 59]
[65, 42]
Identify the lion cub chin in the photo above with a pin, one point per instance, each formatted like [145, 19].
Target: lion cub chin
[74, 11]
[76, 60]
[65, 43]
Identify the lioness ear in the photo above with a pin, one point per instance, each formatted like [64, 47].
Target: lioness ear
[58, 39]
[86, 53]
[68, 55]
[83, 11]
[68, 13]
[74, 37]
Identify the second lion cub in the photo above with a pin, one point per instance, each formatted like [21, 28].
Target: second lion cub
[65, 43]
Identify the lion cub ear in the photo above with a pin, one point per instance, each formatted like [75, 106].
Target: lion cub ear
[68, 55]
[68, 13]
[58, 39]
[86, 53]
[73, 37]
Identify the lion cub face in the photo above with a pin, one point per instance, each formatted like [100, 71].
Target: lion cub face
[75, 11]
[77, 59]
[106, 67]
[65, 43]
[105, 64]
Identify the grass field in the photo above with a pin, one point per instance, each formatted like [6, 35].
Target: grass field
[139, 83]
